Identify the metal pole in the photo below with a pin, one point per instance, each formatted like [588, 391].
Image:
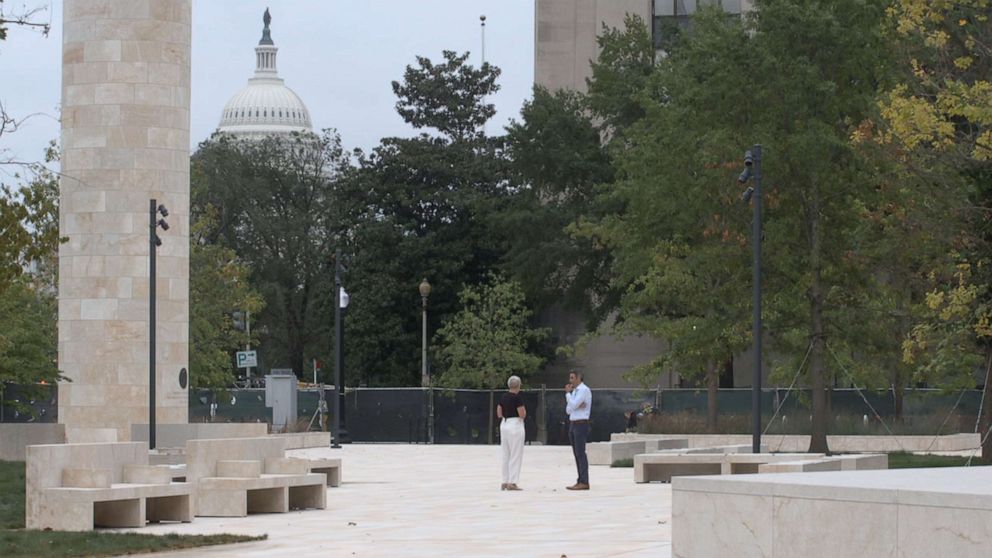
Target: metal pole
[248, 346]
[424, 380]
[756, 378]
[337, 347]
[152, 248]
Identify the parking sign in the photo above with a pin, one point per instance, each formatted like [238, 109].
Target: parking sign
[247, 359]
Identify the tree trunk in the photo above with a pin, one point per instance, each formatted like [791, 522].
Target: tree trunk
[898, 396]
[727, 374]
[712, 389]
[817, 368]
[986, 423]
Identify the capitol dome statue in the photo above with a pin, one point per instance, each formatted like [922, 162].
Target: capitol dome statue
[265, 107]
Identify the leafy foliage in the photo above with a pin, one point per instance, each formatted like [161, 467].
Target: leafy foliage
[449, 96]
[219, 285]
[559, 164]
[29, 240]
[273, 204]
[421, 207]
[487, 341]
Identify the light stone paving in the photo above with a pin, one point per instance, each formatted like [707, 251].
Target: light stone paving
[436, 501]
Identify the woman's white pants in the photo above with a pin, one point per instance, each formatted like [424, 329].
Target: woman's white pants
[511, 441]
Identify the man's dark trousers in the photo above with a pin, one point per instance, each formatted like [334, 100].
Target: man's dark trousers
[578, 434]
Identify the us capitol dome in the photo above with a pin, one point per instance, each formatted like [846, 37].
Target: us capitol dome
[265, 107]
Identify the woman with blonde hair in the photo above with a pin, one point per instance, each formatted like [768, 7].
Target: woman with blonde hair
[512, 413]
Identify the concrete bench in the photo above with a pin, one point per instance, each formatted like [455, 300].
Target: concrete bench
[654, 467]
[607, 453]
[849, 462]
[330, 466]
[862, 461]
[801, 466]
[76, 487]
[238, 476]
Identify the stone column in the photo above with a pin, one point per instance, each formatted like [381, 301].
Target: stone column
[125, 139]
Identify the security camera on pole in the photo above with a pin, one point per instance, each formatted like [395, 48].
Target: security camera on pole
[752, 168]
[155, 209]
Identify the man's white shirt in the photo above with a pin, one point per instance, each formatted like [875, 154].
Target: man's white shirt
[574, 400]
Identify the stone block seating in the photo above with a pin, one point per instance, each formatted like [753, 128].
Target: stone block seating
[851, 462]
[76, 487]
[235, 477]
[655, 467]
[330, 466]
[607, 453]
[724, 460]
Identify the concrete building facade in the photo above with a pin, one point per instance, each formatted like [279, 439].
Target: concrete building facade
[125, 140]
[565, 31]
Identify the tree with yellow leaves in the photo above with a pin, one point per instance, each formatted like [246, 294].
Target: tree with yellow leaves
[939, 120]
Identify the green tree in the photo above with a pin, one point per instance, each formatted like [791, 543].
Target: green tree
[421, 207]
[679, 244]
[28, 342]
[449, 97]
[559, 165]
[488, 340]
[219, 284]
[797, 76]
[274, 202]
[29, 241]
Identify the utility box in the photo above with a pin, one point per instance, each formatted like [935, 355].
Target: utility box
[280, 396]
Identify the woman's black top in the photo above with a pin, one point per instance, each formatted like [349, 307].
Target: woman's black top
[509, 403]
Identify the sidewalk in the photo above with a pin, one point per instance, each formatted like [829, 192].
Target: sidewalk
[436, 501]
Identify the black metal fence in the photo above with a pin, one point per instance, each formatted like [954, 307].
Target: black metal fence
[468, 416]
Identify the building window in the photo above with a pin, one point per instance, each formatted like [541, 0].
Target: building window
[673, 17]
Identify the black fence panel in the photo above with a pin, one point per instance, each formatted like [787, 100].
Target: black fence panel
[468, 416]
[386, 415]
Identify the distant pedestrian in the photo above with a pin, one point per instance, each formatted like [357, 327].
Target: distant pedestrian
[578, 407]
[512, 413]
[631, 418]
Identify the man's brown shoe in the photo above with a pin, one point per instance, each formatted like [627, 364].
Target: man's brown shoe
[578, 486]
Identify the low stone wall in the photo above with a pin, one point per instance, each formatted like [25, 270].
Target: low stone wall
[16, 436]
[798, 443]
[176, 435]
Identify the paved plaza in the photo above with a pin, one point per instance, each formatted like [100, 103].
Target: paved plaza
[435, 501]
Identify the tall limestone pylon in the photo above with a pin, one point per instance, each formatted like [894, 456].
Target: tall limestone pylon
[125, 140]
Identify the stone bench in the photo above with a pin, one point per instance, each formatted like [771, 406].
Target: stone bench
[607, 453]
[654, 467]
[801, 466]
[238, 476]
[76, 487]
[848, 462]
[330, 466]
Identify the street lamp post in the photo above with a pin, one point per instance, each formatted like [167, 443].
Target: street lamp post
[425, 380]
[341, 300]
[154, 210]
[425, 291]
[752, 167]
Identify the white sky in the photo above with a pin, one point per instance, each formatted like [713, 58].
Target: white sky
[338, 55]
